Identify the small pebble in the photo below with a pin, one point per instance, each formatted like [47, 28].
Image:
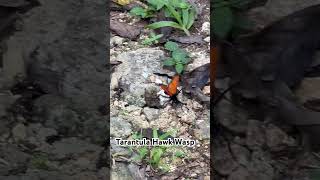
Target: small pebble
[207, 39]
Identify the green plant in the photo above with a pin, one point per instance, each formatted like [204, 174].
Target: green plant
[179, 58]
[153, 155]
[152, 39]
[180, 154]
[227, 18]
[180, 10]
[144, 12]
[183, 12]
[40, 161]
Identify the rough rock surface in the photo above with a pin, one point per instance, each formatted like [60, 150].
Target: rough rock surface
[261, 146]
[53, 82]
[64, 50]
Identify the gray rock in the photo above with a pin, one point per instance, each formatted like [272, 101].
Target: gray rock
[136, 68]
[136, 172]
[73, 147]
[55, 112]
[120, 171]
[85, 176]
[205, 28]
[116, 41]
[115, 149]
[203, 133]
[19, 132]
[12, 159]
[5, 128]
[38, 175]
[273, 10]
[119, 127]
[260, 166]
[14, 3]
[37, 135]
[308, 89]
[232, 117]
[6, 100]
[65, 50]
[255, 135]
[277, 140]
[241, 154]
[13, 62]
[134, 100]
[151, 97]
[223, 160]
[151, 113]
[104, 173]
[96, 128]
[240, 173]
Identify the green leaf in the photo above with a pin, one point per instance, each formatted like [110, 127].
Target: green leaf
[185, 17]
[179, 55]
[179, 68]
[165, 135]
[155, 133]
[142, 152]
[192, 17]
[222, 21]
[153, 38]
[185, 60]
[171, 46]
[179, 154]
[161, 24]
[167, 13]
[179, 4]
[169, 62]
[157, 3]
[175, 14]
[156, 154]
[183, 5]
[138, 11]
[136, 136]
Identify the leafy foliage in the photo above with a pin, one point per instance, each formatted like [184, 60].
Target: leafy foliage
[152, 39]
[40, 161]
[155, 155]
[227, 19]
[179, 58]
[142, 12]
[180, 10]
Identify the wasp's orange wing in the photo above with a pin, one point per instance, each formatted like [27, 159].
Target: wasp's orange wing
[172, 87]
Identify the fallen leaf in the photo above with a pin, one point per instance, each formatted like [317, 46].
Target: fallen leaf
[199, 77]
[195, 80]
[125, 30]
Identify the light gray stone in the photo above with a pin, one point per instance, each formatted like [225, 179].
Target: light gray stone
[119, 127]
[19, 132]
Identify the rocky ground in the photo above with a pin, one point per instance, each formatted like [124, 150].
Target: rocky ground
[131, 110]
[53, 92]
[246, 148]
